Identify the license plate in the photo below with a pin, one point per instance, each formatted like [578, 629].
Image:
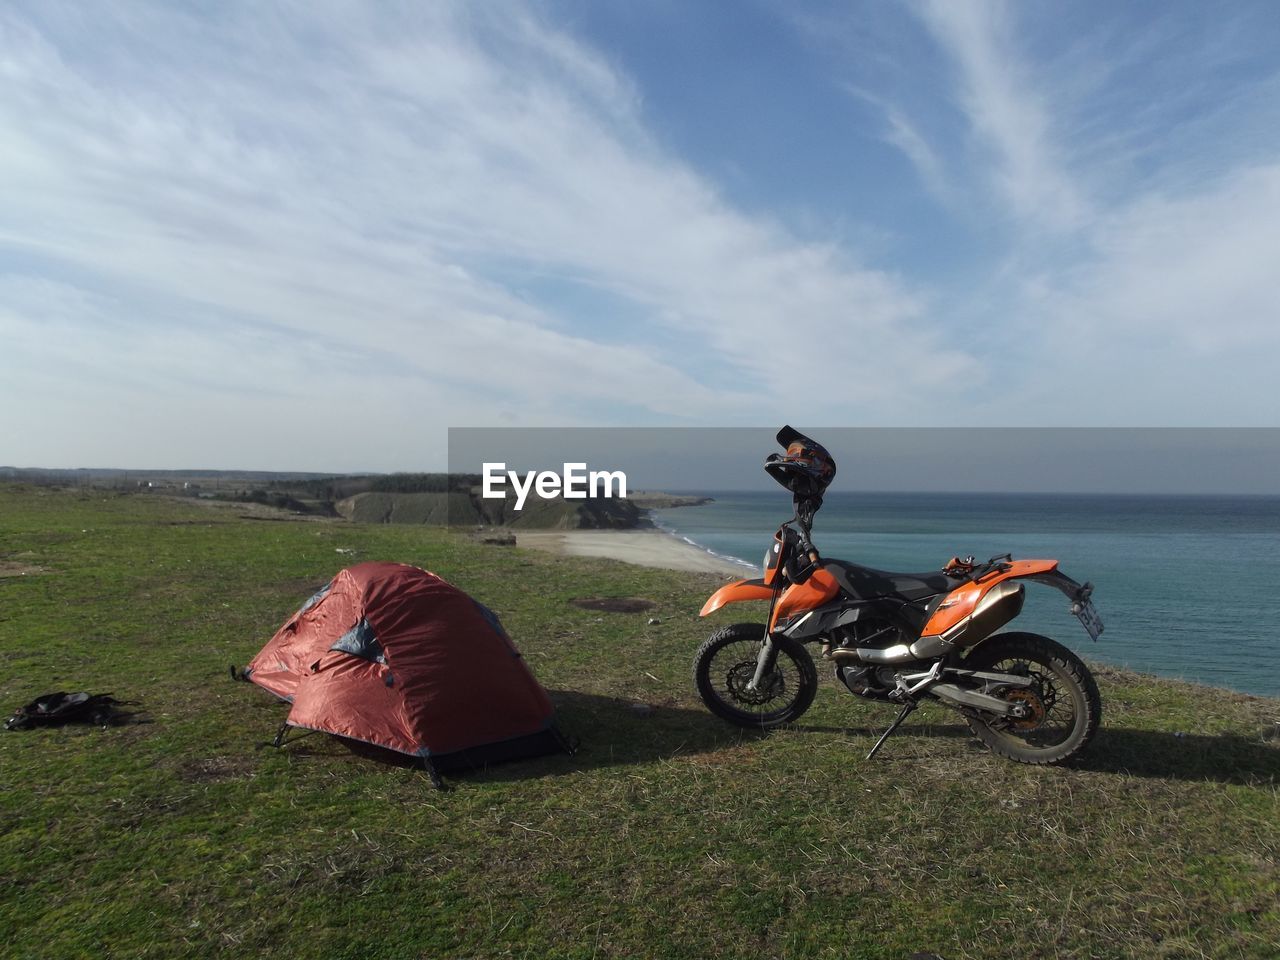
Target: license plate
[1087, 614]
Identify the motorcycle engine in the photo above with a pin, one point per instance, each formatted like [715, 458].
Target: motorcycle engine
[867, 680]
[871, 682]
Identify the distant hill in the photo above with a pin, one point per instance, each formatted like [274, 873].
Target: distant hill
[465, 507]
[121, 476]
[437, 499]
[656, 500]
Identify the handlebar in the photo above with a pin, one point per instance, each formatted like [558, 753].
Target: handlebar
[804, 520]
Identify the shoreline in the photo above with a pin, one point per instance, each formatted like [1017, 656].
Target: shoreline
[652, 547]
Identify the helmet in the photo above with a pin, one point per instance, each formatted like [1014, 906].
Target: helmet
[806, 469]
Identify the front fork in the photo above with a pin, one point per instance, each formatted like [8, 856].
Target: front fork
[768, 656]
[765, 662]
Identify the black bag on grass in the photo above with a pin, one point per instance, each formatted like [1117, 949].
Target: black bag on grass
[55, 709]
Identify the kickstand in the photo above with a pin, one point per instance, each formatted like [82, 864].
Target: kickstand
[906, 712]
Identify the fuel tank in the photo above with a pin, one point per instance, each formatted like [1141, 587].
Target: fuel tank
[820, 587]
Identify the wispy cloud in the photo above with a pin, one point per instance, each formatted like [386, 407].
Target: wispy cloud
[1170, 317]
[242, 223]
[902, 133]
[361, 183]
[1125, 177]
[1007, 113]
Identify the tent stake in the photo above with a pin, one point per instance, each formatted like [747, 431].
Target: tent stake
[433, 773]
[569, 745]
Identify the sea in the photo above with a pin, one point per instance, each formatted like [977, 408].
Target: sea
[1187, 586]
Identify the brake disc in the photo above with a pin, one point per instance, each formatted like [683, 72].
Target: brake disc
[1035, 708]
[739, 677]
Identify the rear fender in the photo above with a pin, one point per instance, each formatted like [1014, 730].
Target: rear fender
[736, 592]
[1075, 592]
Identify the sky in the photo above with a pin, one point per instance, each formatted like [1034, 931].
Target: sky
[315, 236]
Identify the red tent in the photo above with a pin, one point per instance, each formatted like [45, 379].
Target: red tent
[394, 656]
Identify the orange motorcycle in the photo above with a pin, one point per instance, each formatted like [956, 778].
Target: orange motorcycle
[898, 637]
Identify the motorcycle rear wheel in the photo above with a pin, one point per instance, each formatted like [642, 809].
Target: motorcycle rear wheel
[726, 662]
[1065, 704]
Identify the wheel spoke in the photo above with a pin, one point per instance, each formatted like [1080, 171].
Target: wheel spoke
[734, 665]
[1057, 716]
[726, 664]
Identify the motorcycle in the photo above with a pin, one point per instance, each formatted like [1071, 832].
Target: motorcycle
[901, 638]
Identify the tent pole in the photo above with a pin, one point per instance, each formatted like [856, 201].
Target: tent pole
[280, 735]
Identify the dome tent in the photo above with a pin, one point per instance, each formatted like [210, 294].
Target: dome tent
[394, 656]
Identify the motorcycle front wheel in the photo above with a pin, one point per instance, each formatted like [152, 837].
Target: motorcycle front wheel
[1063, 703]
[726, 663]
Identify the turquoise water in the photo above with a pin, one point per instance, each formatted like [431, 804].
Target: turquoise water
[1186, 585]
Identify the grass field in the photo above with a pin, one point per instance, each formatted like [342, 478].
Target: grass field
[669, 834]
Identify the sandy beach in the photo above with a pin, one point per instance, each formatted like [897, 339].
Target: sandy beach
[646, 548]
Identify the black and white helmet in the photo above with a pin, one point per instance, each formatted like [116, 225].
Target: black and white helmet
[806, 469]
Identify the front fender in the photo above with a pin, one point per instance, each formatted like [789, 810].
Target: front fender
[736, 592]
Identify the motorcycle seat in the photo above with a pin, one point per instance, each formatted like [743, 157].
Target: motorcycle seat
[865, 583]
